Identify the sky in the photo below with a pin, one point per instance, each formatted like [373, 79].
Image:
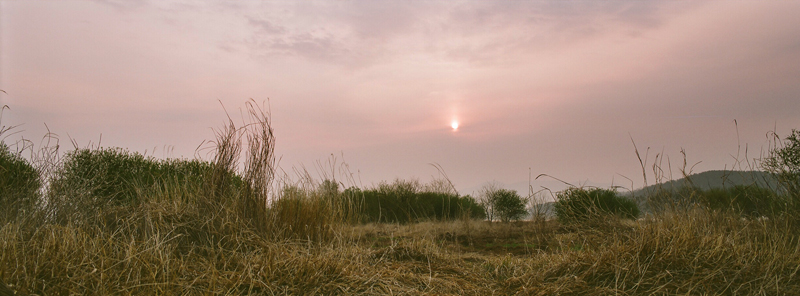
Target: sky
[563, 88]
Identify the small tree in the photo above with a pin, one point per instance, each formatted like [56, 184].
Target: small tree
[502, 204]
[783, 161]
[509, 205]
[487, 200]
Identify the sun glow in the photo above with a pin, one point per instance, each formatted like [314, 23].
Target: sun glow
[454, 125]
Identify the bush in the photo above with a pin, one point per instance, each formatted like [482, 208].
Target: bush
[783, 161]
[751, 201]
[469, 206]
[89, 180]
[406, 201]
[508, 205]
[578, 204]
[116, 176]
[19, 184]
[502, 204]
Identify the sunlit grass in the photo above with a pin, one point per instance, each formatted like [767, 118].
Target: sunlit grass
[113, 222]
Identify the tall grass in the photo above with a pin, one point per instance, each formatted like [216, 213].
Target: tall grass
[578, 205]
[409, 201]
[109, 221]
[88, 181]
[19, 185]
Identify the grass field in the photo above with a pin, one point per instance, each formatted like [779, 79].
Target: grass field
[110, 222]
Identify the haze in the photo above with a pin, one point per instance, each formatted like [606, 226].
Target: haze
[554, 87]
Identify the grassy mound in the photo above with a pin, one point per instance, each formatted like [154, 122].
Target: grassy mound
[19, 185]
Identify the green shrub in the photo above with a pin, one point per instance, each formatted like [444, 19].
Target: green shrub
[752, 201]
[502, 204]
[468, 205]
[120, 177]
[783, 161]
[508, 205]
[19, 183]
[578, 204]
[405, 202]
[89, 180]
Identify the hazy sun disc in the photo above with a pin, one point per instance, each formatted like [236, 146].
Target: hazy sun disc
[454, 125]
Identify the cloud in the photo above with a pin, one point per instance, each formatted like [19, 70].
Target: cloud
[557, 85]
[266, 26]
[362, 33]
[123, 5]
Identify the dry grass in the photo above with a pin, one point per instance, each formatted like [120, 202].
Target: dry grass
[687, 253]
[217, 238]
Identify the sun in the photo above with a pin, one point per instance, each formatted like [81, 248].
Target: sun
[454, 125]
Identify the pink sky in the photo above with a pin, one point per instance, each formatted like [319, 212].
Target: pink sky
[559, 87]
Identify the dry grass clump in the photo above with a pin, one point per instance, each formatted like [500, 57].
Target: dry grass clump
[306, 214]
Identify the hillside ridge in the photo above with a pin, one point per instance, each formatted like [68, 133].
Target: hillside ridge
[715, 179]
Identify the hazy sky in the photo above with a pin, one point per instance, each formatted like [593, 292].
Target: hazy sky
[559, 87]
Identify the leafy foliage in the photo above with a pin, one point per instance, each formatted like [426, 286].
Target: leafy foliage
[578, 204]
[502, 204]
[509, 205]
[783, 161]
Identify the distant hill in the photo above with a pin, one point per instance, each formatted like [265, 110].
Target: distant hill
[705, 181]
[715, 179]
